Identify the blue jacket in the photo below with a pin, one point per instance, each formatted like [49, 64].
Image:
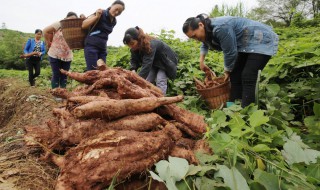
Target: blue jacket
[161, 56]
[31, 43]
[235, 34]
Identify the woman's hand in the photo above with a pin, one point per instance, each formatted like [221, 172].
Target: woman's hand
[204, 67]
[98, 13]
[226, 76]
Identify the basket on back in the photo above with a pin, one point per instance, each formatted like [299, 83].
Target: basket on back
[214, 90]
[73, 33]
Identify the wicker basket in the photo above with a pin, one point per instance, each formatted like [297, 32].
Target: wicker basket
[73, 33]
[217, 96]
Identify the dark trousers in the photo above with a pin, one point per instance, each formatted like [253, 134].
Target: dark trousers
[244, 76]
[92, 54]
[58, 79]
[33, 67]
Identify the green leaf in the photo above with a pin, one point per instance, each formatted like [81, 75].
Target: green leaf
[316, 109]
[171, 172]
[268, 180]
[261, 148]
[313, 124]
[205, 183]
[162, 167]
[258, 118]
[178, 167]
[238, 126]
[232, 178]
[155, 176]
[295, 151]
[273, 89]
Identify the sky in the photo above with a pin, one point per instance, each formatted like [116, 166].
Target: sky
[150, 15]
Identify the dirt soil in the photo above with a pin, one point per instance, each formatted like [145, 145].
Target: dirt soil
[20, 105]
[20, 166]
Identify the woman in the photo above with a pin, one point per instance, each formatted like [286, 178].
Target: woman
[247, 46]
[157, 60]
[102, 24]
[60, 55]
[33, 52]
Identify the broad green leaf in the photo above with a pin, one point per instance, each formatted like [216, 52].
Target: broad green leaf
[171, 172]
[193, 170]
[313, 124]
[238, 126]
[258, 118]
[162, 167]
[205, 183]
[178, 167]
[273, 89]
[268, 180]
[155, 176]
[261, 148]
[294, 151]
[232, 178]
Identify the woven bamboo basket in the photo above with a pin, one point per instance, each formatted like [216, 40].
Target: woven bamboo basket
[216, 96]
[73, 33]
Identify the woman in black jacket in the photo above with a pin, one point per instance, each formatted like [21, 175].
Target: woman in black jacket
[157, 60]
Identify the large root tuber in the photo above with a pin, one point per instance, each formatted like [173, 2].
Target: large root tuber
[95, 161]
[112, 109]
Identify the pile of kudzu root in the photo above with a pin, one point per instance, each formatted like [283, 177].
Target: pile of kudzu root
[114, 125]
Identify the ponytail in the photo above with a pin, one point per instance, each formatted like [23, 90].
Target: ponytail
[193, 23]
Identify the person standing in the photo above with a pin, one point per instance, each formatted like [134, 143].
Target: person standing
[100, 25]
[33, 51]
[60, 55]
[157, 60]
[247, 46]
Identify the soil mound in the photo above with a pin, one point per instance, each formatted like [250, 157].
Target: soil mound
[22, 105]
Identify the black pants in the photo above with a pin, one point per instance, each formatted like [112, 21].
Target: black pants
[33, 66]
[244, 76]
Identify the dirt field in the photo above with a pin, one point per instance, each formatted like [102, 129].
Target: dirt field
[20, 167]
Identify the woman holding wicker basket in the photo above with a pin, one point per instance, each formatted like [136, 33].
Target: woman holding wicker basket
[60, 55]
[100, 25]
[247, 47]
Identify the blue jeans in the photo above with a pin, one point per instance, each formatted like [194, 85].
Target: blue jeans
[92, 54]
[159, 77]
[59, 79]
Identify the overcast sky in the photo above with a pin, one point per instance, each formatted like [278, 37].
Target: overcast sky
[150, 15]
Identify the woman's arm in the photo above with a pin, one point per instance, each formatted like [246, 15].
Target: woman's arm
[48, 33]
[27, 46]
[43, 48]
[92, 19]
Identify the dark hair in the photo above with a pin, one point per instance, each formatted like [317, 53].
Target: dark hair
[143, 39]
[193, 23]
[71, 14]
[131, 34]
[38, 30]
[119, 2]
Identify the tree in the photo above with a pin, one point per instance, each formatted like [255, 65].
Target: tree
[224, 10]
[315, 6]
[279, 10]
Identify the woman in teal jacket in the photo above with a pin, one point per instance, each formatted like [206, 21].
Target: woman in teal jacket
[247, 46]
[33, 52]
